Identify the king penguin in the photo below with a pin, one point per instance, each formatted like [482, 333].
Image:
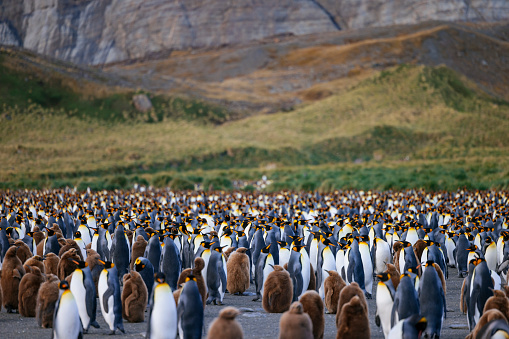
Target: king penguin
[83, 288]
[190, 313]
[385, 294]
[66, 319]
[263, 267]
[432, 301]
[216, 277]
[162, 317]
[144, 267]
[109, 297]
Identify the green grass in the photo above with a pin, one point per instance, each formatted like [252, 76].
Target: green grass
[396, 125]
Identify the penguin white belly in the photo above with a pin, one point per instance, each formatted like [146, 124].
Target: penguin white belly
[401, 260]
[102, 288]
[284, 256]
[306, 270]
[85, 234]
[79, 292]
[382, 256]
[266, 270]
[206, 257]
[367, 264]
[163, 320]
[67, 321]
[95, 239]
[500, 334]
[397, 331]
[340, 261]
[384, 304]
[83, 249]
[412, 236]
[329, 264]
[450, 246]
[313, 254]
[500, 250]
[491, 256]
[346, 264]
[424, 259]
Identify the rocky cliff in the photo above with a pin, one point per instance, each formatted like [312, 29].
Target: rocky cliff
[105, 31]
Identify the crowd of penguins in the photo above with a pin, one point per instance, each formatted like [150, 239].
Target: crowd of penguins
[162, 256]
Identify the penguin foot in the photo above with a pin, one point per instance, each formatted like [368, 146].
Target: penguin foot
[112, 332]
[256, 299]
[368, 295]
[95, 324]
[85, 331]
[220, 303]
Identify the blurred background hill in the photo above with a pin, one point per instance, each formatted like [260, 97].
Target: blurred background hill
[315, 94]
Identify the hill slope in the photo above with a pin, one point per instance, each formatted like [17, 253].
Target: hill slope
[418, 113]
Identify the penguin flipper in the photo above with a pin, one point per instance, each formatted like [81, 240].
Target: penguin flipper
[377, 319]
[106, 296]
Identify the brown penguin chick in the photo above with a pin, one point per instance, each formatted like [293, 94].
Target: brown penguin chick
[237, 269]
[38, 235]
[129, 234]
[69, 243]
[40, 248]
[489, 315]
[313, 305]
[55, 228]
[12, 273]
[394, 273]
[295, 323]
[312, 278]
[46, 300]
[51, 261]
[395, 249]
[66, 266]
[419, 247]
[23, 251]
[138, 249]
[95, 265]
[199, 265]
[354, 321]
[499, 302]
[441, 276]
[347, 293]
[36, 261]
[134, 297]
[225, 325]
[506, 290]
[28, 289]
[332, 285]
[277, 291]
[228, 252]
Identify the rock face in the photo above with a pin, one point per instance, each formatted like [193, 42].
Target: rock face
[105, 31]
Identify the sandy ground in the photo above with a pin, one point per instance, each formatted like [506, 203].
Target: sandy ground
[255, 321]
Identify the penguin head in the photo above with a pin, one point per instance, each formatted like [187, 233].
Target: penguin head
[77, 235]
[266, 249]
[80, 263]
[327, 242]
[207, 244]
[429, 263]
[297, 248]
[383, 276]
[64, 285]
[220, 248]
[107, 264]
[160, 278]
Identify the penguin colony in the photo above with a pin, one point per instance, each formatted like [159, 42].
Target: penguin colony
[161, 257]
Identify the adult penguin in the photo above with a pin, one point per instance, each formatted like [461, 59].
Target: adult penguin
[407, 257]
[144, 267]
[367, 265]
[66, 319]
[190, 313]
[171, 265]
[109, 297]
[153, 251]
[120, 252]
[162, 317]
[481, 288]
[83, 288]
[385, 294]
[406, 300]
[299, 269]
[263, 267]
[381, 254]
[462, 251]
[432, 301]
[326, 262]
[216, 277]
[354, 268]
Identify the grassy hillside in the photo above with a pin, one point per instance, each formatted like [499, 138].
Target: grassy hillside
[409, 126]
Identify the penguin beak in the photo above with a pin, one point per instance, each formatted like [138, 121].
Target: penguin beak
[102, 262]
